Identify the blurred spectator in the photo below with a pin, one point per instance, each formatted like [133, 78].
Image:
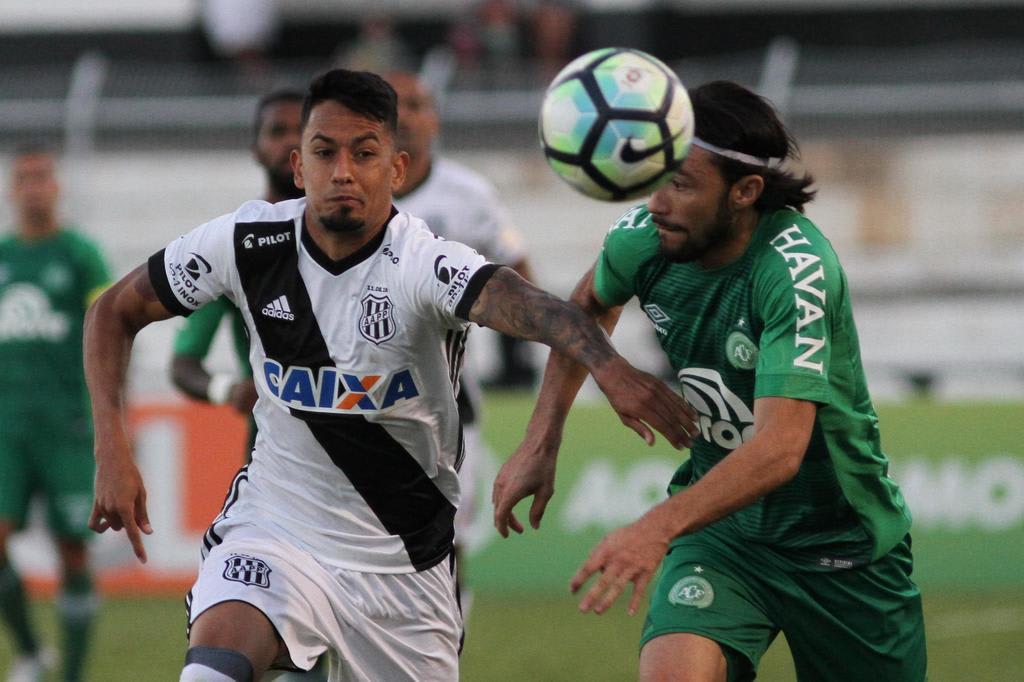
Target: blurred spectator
[378, 48]
[499, 32]
[489, 36]
[242, 31]
[553, 28]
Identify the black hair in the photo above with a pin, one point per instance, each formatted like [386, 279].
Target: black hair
[730, 116]
[363, 92]
[270, 99]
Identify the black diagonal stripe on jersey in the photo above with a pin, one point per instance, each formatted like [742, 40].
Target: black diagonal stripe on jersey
[393, 484]
[389, 479]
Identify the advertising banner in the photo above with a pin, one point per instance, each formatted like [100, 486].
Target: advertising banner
[961, 467]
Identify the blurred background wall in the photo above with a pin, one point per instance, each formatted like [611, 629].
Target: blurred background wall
[910, 114]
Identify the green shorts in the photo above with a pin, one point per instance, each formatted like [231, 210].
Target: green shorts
[47, 453]
[863, 623]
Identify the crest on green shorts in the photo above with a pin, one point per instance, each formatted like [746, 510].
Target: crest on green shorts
[741, 351]
[692, 590]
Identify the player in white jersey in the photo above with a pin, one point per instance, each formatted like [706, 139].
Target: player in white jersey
[461, 205]
[337, 537]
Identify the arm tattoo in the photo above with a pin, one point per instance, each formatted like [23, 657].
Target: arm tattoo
[511, 305]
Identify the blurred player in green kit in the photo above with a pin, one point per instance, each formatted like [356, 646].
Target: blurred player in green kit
[49, 274]
[276, 133]
[784, 518]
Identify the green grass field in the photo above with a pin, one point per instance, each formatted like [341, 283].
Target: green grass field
[975, 633]
[973, 637]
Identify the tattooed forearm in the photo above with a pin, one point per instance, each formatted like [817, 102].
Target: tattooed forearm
[511, 305]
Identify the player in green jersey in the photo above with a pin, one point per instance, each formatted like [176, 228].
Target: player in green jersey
[49, 275]
[276, 133]
[783, 519]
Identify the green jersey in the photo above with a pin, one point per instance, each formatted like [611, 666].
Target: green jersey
[45, 287]
[195, 338]
[775, 322]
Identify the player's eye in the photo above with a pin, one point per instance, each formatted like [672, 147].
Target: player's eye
[323, 153]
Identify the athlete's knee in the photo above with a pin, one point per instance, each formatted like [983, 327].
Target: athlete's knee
[241, 627]
[682, 657]
[213, 664]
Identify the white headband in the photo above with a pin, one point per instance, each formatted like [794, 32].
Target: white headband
[738, 156]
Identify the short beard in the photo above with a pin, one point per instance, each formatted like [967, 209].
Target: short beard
[342, 223]
[719, 232]
[283, 185]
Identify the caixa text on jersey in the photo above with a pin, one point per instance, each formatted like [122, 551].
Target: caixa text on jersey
[333, 390]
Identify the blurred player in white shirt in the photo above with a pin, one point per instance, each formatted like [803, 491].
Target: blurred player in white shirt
[461, 205]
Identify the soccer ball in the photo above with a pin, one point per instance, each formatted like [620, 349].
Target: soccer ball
[616, 123]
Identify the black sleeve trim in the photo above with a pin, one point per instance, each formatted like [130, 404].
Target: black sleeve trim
[158, 278]
[473, 289]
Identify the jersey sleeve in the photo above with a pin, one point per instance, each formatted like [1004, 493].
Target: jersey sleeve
[797, 289]
[195, 268]
[195, 338]
[449, 277]
[632, 241]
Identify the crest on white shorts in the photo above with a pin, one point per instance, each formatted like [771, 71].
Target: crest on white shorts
[247, 570]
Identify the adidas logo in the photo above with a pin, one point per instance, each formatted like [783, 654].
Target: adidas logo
[279, 308]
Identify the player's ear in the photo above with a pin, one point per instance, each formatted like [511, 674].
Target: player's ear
[296, 159]
[746, 191]
[399, 164]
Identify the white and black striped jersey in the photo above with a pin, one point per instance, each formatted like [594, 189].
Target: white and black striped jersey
[356, 365]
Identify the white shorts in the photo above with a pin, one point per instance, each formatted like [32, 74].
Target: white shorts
[404, 626]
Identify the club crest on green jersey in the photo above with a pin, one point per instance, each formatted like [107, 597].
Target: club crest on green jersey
[693, 590]
[26, 315]
[741, 351]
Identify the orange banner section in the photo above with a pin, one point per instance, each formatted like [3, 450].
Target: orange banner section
[212, 442]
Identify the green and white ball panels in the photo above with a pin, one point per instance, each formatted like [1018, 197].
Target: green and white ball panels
[616, 123]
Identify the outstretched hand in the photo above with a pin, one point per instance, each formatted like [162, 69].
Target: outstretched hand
[529, 471]
[644, 402]
[627, 555]
[120, 503]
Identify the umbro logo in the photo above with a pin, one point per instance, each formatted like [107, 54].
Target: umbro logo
[279, 308]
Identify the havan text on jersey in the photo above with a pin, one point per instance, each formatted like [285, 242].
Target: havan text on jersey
[810, 299]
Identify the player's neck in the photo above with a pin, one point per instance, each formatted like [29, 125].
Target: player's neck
[38, 227]
[415, 175]
[339, 245]
[732, 249]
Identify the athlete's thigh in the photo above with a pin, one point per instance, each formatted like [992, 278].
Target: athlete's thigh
[703, 591]
[280, 581]
[240, 627]
[63, 462]
[16, 482]
[859, 624]
[661, 659]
